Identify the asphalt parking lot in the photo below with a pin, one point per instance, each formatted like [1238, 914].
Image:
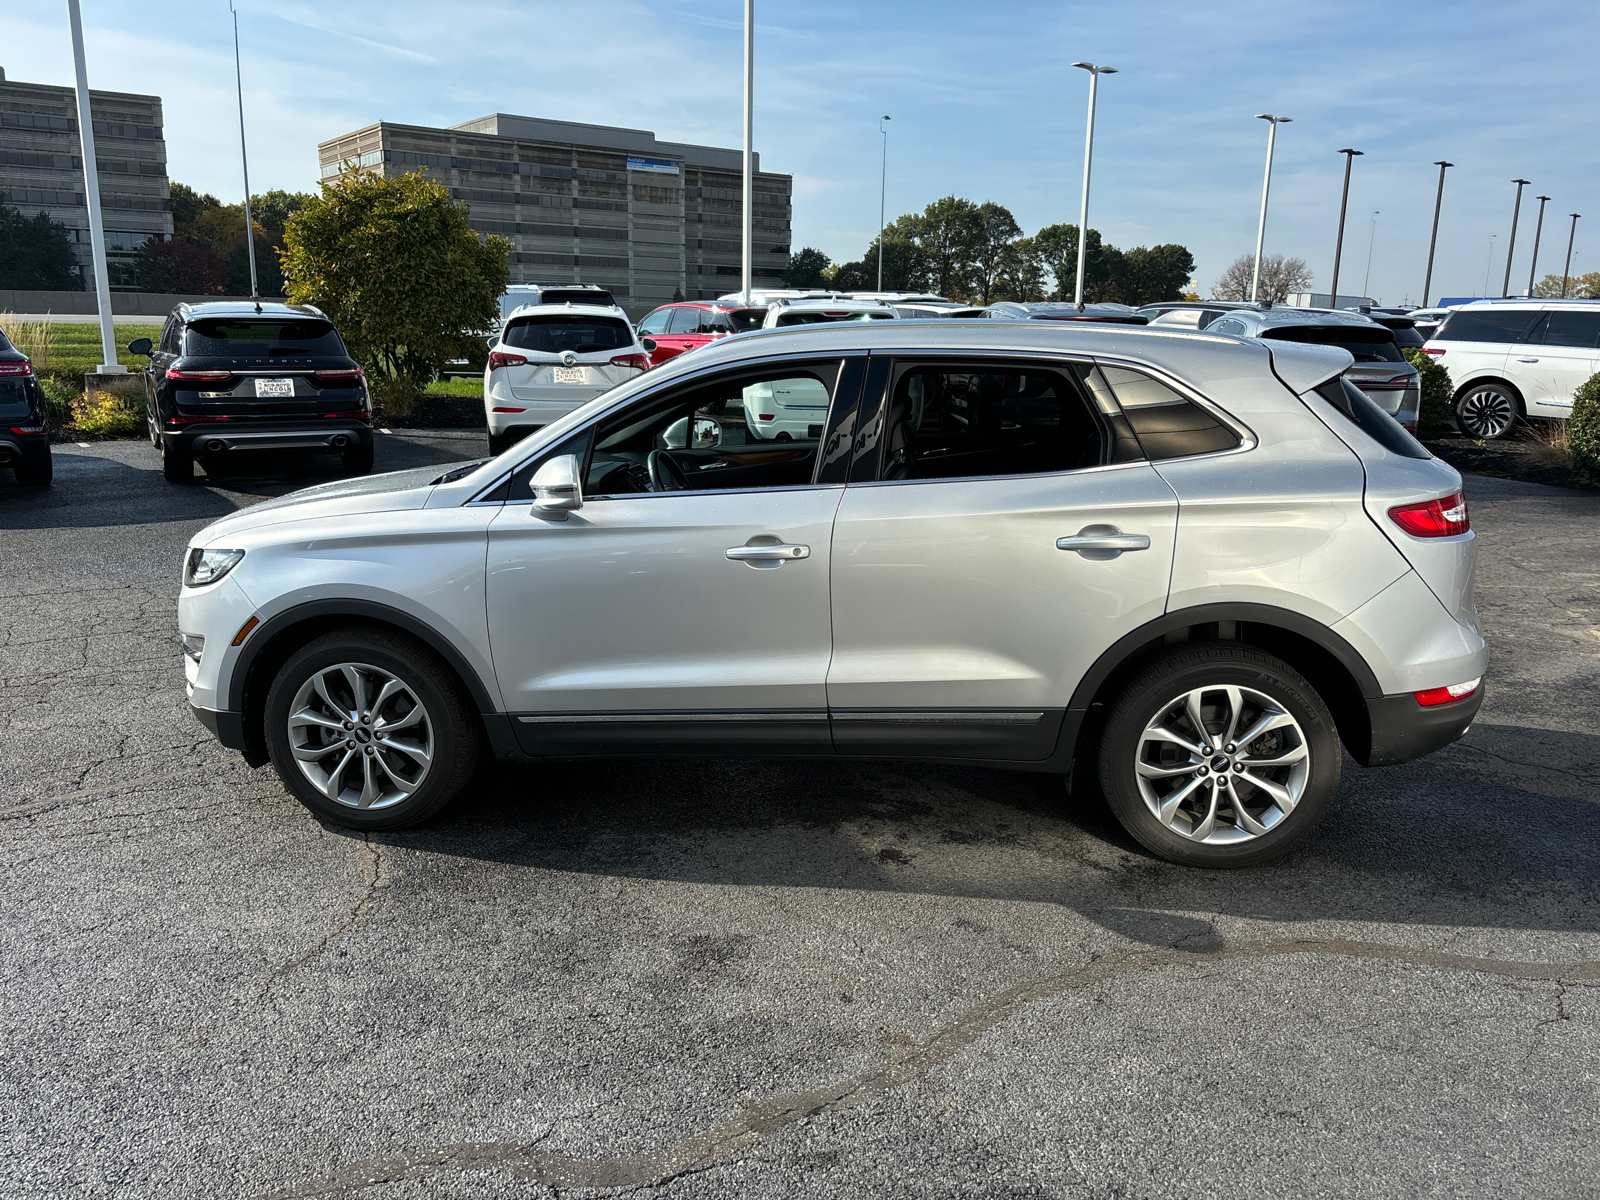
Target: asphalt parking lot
[767, 979]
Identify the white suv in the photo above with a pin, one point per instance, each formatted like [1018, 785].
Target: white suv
[1516, 359]
[781, 314]
[551, 358]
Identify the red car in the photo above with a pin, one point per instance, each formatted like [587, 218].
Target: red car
[676, 328]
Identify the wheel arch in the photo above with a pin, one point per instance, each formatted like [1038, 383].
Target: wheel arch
[1479, 380]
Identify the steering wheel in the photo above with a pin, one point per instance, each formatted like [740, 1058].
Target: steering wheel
[665, 474]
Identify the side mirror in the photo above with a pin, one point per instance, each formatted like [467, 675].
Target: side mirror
[557, 490]
[707, 433]
[649, 345]
[140, 346]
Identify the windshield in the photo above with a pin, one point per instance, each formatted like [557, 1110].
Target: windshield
[745, 319]
[4, 345]
[1364, 345]
[243, 338]
[558, 332]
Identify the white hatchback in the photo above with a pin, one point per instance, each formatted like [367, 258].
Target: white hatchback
[549, 360]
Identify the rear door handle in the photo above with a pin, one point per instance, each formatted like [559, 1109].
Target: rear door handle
[1103, 538]
[1527, 360]
[768, 556]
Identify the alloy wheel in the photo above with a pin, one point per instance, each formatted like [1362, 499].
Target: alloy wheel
[1486, 412]
[360, 735]
[1222, 764]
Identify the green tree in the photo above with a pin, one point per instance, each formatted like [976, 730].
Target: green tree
[850, 277]
[1155, 273]
[806, 266]
[904, 267]
[1058, 250]
[36, 253]
[181, 268]
[396, 266]
[272, 210]
[947, 232]
[1022, 273]
[995, 229]
[1578, 286]
[188, 204]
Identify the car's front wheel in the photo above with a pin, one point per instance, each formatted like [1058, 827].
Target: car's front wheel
[370, 730]
[1487, 410]
[1219, 756]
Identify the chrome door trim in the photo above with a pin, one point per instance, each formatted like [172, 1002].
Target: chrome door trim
[938, 716]
[680, 717]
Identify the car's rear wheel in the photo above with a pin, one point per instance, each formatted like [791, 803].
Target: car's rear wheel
[35, 468]
[499, 443]
[1487, 410]
[1219, 756]
[370, 730]
[357, 460]
[177, 463]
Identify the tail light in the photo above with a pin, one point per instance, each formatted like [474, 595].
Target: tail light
[1444, 695]
[1394, 383]
[195, 420]
[764, 416]
[14, 368]
[499, 358]
[339, 373]
[638, 362]
[509, 410]
[1433, 351]
[27, 429]
[1444, 517]
[210, 376]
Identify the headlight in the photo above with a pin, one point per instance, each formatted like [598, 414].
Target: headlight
[208, 566]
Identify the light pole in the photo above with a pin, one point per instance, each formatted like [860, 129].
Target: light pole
[91, 192]
[1566, 271]
[1511, 244]
[1338, 246]
[1489, 266]
[1433, 241]
[1088, 155]
[1266, 184]
[1538, 231]
[1366, 280]
[244, 159]
[749, 144]
[883, 187]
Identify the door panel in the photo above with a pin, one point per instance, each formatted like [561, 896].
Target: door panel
[632, 605]
[1548, 375]
[959, 620]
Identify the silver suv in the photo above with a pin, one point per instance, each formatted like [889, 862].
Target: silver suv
[1191, 564]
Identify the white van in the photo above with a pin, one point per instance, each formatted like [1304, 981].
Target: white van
[1510, 360]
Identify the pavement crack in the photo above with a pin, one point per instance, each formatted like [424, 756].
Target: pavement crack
[376, 869]
[731, 1139]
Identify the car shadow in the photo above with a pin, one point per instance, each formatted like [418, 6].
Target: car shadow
[1469, 837]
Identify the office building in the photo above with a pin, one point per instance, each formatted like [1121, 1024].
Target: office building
[592, 203]
[41, 169]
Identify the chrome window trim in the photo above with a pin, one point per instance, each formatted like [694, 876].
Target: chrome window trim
[749, 491]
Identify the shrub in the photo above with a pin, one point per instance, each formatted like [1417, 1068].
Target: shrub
[109, 414]
[1435, 414]
[59, 397]
[396, 395]
[1583, 431]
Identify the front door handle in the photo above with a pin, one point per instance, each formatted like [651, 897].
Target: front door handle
[1527, 360]
[1103, 541]
[771, 555]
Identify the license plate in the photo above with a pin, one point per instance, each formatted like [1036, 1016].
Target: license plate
[274, 387]
[571, 375]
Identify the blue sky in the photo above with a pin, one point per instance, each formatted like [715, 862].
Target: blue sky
[984, 100]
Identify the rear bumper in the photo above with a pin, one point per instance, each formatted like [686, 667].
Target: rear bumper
[16, 446]
[1402, 729]
[217, 438]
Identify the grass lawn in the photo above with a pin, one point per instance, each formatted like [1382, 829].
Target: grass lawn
[75, 347]
[472, 386]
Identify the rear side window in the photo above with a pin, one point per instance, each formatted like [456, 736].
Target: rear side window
[684, 320]
[1365, 345]
[1567, 329]
[1353, 404]
[1167, 424]
[558, 333]
[244, 338]
[1485, 324]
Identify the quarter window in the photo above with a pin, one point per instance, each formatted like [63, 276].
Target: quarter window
[1167, 424]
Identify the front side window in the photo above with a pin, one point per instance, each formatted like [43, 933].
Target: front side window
[245, 338]
[1167, 423]
[656, 322]
[966, 421]
[560, 332]
[1489, 323]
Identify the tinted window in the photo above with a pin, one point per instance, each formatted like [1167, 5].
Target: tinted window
[1354, 404]
[556, 333]
[558, 296]
[952, 422]
[656, 322]
[1485, 324]
[4, 345]
[1365, 345]
[13, 392]
[236, 337]
[684, 320]
[1236, 328]
[1409, 338]
[1167, 424]
[821, 318]
[747, 318]
[1568, 329]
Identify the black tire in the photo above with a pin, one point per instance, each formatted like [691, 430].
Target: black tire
[783, 436]
[499, 443]
[357, 460]
[1211, 667]
[455, 731]
[35, 468]
[177, 463]
[1488, 409]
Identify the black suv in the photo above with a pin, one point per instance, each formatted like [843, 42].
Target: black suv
[243, 375]
[24, 445]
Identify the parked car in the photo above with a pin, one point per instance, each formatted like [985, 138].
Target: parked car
[1380, 370]
[1204, 311]
[24, 441]
[1427, 320]
[1516, 360]
[1202, 562]
[552, 358]
[1052, 310]
[785, 410]
[783, 313]
[916, 310]
[232, 377]
[762, 297]
[683, 326]
[522, 295]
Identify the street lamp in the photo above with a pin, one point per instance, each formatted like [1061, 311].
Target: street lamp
[1338, 247]
[1266, 184]
[1566, 271]
[1088, 155]
[1366, 280]
[883, 185]
[1433, 241]
[1538, 231]
[1511, 245]
[91, 194]
[244, 159]
[1489, 266]
[749, 147]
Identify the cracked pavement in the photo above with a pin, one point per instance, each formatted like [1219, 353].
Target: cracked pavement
[737, 979]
